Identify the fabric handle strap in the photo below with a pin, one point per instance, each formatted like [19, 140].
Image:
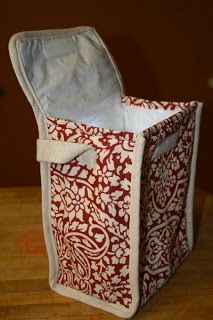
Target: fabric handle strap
[63, 152]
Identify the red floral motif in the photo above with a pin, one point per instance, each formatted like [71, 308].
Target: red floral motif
[148, 104]
[90, 212]
[164, 187]
[90, 208]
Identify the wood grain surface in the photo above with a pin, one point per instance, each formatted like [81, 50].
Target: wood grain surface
[24, 289]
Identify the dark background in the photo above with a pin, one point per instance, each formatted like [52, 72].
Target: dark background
[164, 50]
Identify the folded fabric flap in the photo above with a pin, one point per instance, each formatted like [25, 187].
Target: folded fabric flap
[63, 152]
[69, 75]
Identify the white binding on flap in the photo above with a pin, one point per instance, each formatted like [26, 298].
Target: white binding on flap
[73, 77]
[70, 74]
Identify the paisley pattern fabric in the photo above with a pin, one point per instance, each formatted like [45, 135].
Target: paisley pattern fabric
[90, 212]
[164, 186]
[90, 209]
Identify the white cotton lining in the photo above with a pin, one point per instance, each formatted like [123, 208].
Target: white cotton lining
[74, 78]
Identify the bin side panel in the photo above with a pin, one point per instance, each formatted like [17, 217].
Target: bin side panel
[165, 181]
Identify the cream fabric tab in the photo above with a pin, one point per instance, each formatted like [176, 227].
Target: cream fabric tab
[64, 152]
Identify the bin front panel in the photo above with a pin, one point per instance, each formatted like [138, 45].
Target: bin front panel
[90, 212]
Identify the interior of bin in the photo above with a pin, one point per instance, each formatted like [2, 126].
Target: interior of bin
[74, 78]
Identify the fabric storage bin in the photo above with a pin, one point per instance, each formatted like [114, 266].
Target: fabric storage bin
[117, 172]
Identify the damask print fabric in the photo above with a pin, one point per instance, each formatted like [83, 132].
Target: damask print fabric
[165, 182]
[90, 208]
[117, 172]
[90, 212]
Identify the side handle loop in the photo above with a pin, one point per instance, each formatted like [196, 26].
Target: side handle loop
[63, 152]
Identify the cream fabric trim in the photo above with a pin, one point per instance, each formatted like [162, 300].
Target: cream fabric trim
[135, 223]
[64, 152]
[190, 195]
[46, 209]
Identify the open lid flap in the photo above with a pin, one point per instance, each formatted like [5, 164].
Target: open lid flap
[69, 74]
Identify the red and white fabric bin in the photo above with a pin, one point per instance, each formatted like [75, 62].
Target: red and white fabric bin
[117, 172]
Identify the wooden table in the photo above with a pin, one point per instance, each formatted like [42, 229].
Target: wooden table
[24, 290]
